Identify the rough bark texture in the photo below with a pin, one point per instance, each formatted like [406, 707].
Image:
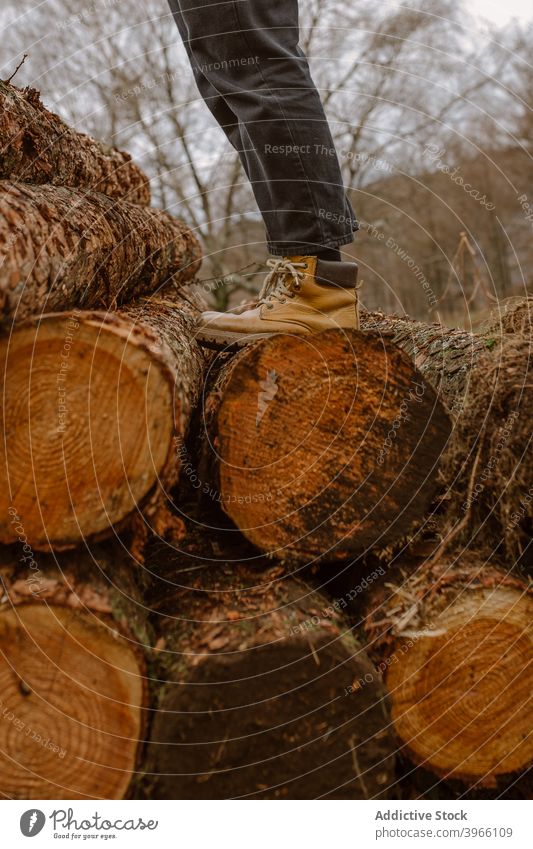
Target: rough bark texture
[454, 640]
[73, 703]
[96, 406]
[514, 315]
[36, 146]
[61, 249]
[255, 700]
[486, 381]
[446, 357]
[323, 447]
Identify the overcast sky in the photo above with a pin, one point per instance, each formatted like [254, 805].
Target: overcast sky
[502, 11]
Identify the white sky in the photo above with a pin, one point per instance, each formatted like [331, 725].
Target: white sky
[502, 11]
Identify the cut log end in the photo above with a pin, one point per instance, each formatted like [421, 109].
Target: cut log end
[267, 694]
[273, 722]
[88, 426]
[68, 730]
[461, 689]
[326, 445]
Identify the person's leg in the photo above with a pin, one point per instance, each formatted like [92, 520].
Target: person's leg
[220, 110]
[247, 52]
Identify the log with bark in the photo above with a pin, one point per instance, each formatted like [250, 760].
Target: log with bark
[486, 381]
[61, 249]
[260, 692]
[73, 703]
[324, 446]
[445, 356]
[95, 408]
[453, 639]
[513, 315]
[36, 146]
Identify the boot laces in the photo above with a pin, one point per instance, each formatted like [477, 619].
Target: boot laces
[279, 282]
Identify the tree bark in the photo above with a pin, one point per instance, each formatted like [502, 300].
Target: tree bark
[446, 357]
[454, 641]
[486, 381]
[62, 249]
[513, 315]
[95, 407]
[256, 696]
[323, 447]
[73, 703]
[36, 146]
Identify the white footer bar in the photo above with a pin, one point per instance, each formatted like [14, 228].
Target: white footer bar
[269, 825]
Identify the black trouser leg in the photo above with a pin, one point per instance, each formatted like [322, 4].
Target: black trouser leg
[256, 81]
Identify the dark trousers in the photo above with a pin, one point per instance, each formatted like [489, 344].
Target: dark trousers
[255, 80]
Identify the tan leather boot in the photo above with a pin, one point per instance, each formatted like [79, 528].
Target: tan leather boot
[301, 294]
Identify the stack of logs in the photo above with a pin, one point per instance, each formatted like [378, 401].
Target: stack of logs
[293, 572]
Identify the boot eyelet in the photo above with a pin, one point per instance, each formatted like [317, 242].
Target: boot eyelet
[297, 286]
[270, 306]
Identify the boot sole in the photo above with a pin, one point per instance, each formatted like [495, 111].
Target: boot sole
[230, 341]
[234, 341]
